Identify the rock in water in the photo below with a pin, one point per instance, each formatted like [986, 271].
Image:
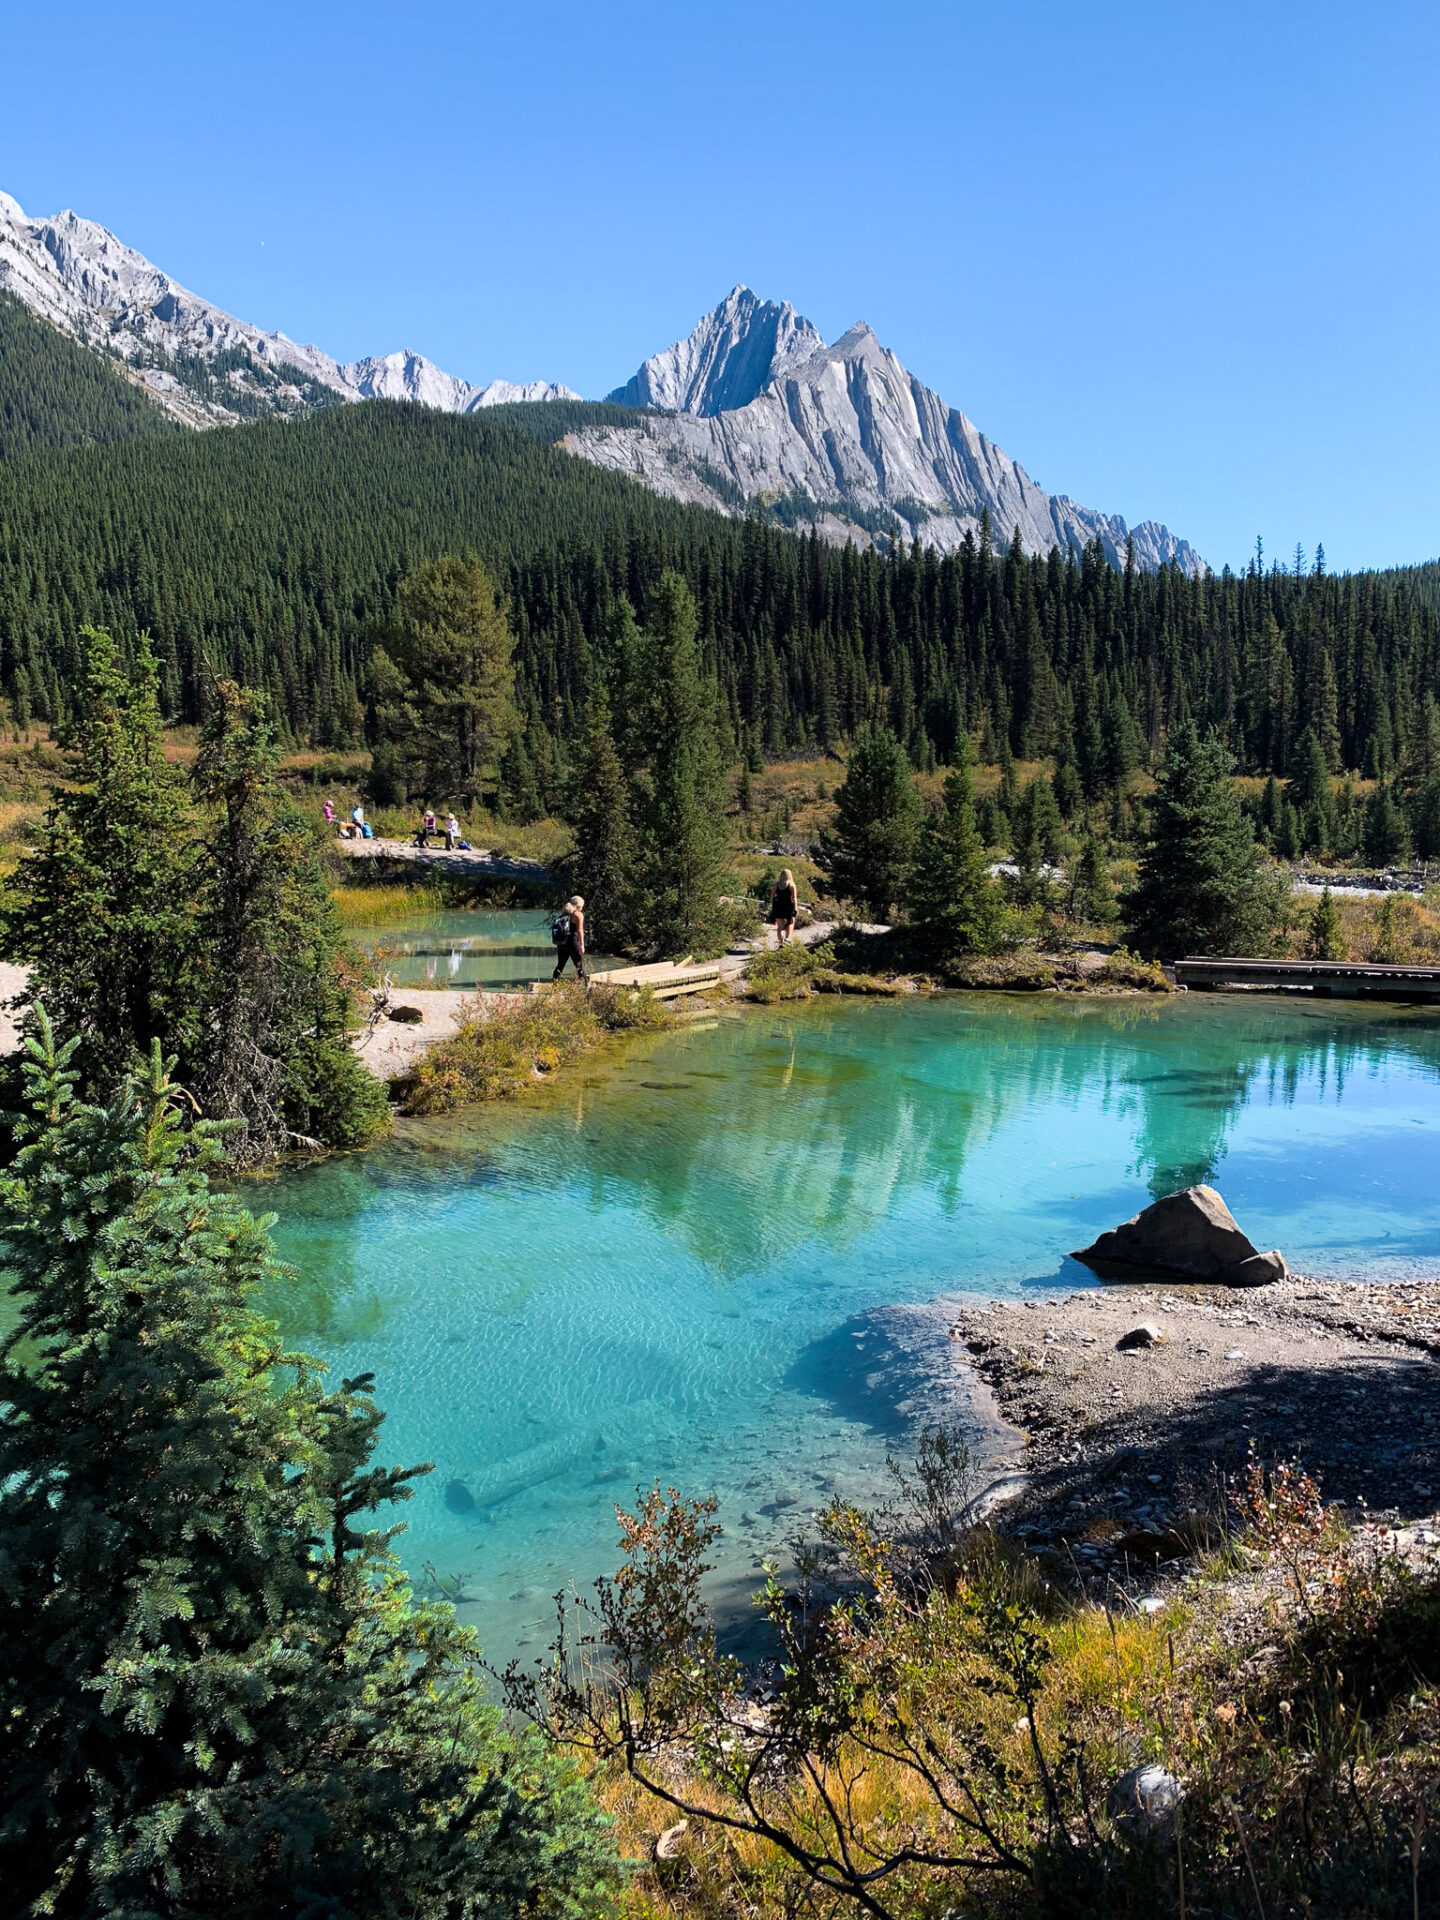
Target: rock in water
[1191, 1233]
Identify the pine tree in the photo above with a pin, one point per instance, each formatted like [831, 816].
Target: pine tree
[678, 798]
[1386, 830]
[602, 864]
[1200, 889]
[866, 855]
[104, 912]
[1325, 938]
[272, 1045]
[1092, 894]
[218, 1695]
[443, 680]
[955, 907]
[1069, 794]
[1308, 791]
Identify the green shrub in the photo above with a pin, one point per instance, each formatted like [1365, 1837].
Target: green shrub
[506, 1043]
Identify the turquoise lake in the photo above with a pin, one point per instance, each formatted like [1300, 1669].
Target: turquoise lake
[658, 1267]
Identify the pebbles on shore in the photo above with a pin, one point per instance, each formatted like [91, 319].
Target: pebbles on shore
[1129, 1444]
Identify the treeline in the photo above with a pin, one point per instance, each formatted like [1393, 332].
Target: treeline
[53, 393]
[276, 553]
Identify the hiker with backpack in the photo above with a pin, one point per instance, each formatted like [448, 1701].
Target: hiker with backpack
[567, 931]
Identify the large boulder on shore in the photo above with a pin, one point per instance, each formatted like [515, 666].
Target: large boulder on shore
[1191, 1233]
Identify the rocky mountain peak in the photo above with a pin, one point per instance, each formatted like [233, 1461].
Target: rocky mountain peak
[734, 353]
[198, 362]
[843, 436]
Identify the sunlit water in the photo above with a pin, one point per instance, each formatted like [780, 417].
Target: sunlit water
[468, 950]
[656, 1269]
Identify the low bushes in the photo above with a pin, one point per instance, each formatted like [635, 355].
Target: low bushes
[944, 1732]
[507, 1046]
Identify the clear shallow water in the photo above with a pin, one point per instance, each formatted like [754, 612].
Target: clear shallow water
[657, 1268]
[468, 950]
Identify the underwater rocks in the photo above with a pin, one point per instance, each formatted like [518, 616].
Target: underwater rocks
[1192, 1233]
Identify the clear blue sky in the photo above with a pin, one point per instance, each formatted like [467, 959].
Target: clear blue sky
[1179, 260]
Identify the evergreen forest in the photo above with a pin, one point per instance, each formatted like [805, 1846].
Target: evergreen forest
[274, 556]
[55, 393]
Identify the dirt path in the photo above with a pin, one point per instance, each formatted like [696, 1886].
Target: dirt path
[1119, 1446]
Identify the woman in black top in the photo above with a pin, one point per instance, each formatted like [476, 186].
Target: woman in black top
[784, 905]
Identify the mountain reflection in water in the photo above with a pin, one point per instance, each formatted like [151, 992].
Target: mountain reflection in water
[616, 1280]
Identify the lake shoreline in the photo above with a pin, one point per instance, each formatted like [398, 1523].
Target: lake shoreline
[1122, 1457]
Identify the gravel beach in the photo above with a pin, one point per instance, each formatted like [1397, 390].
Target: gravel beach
[1125, 1449]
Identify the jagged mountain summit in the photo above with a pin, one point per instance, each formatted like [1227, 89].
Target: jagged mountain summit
[762, 412]
[730, 358]
[753, 409]
[199, 363]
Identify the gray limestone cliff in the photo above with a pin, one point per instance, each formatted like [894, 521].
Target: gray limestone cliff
[762, 413]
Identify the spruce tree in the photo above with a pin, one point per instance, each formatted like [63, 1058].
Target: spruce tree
[955, 907]
[678, 796]
[866, 855]
[1092, 894]
[442, 679]
[272, 1044]
[602, 866]
[1200, 889]
[1386, 830]
[1308, 791]
[1324, 937]
[217, 1696]
[104, 912]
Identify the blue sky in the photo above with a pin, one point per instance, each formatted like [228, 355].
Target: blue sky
[1179, 260]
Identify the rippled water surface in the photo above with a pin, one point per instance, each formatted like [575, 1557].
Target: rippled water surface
[654, 1270]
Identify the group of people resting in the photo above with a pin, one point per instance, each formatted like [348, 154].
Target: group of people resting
[453, 836]
[356, 827]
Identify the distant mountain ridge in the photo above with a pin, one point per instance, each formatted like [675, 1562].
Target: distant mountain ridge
[752, 410]
[840, 437]
[198, 363]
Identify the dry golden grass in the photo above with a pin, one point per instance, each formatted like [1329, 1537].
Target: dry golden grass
[381, 906]
[1395, 929]
[521, 1041]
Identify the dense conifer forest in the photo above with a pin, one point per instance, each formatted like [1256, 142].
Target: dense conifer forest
[274, 553]
[54, 393]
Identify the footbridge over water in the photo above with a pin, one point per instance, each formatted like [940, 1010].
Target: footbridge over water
[1327, 979]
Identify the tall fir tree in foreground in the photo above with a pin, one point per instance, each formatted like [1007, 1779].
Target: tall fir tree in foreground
[678, 795]
[866, 855]
[1200, 887]
[955, 907]
[103, 912]
[217, 1696]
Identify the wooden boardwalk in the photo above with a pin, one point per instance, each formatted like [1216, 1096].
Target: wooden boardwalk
[1326, 979]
